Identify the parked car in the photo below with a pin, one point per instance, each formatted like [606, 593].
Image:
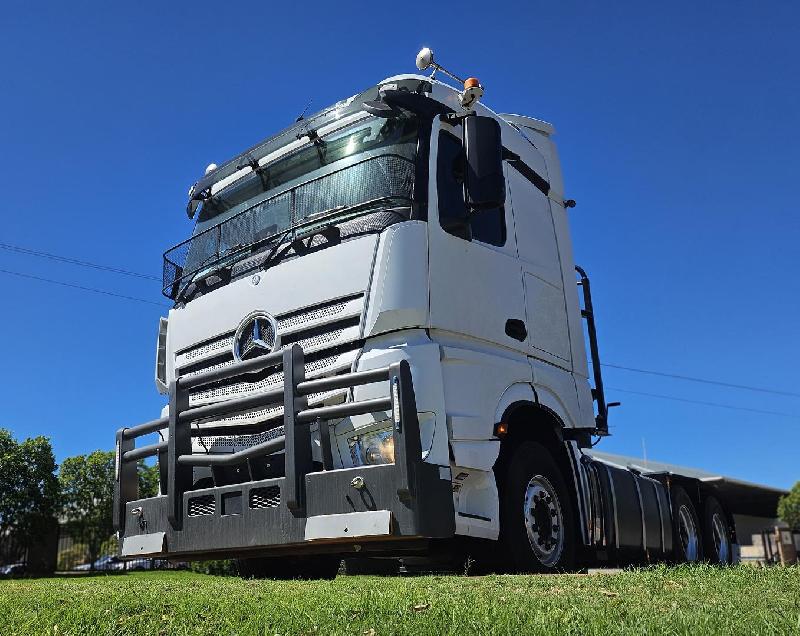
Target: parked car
[13, 569]
[105, 563]
[148, 564]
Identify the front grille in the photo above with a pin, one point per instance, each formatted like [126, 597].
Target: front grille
[304, 317]
[203, 351]
[269, 497]
[242, 441]
[311, 327]
[202, 506]
[327, 332]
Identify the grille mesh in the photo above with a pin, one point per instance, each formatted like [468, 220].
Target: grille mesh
[207, 357]
[320, 339]
[221, 344]
[269, 497]
[242, 441]
[241, 388]
[202, 506]
[312, 315]
[224, 344]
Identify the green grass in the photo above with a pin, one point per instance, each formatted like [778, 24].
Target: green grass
[659, 600]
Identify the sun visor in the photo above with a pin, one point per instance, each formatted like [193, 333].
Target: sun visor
[404, 92]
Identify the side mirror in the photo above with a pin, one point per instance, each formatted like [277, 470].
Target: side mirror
[483, 145]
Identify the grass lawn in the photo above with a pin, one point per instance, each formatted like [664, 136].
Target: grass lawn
[659, 600]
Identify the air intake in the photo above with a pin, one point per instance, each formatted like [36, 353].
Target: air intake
[202, 506]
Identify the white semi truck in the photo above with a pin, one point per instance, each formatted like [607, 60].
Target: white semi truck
[378, 350]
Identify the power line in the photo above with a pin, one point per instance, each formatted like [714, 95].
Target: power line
[703, 380]
[90, 289]
[74, 261]
[715, 404]
[118, 270]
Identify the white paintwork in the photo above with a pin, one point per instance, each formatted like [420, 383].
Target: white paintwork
[476, 503]
[372, 523]
[441, 303]
[399, 291]
[480, 454]
[144, 544]
[336, 272]
[423, 358]
[464, 274]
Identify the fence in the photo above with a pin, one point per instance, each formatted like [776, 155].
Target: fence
[60, 552]
[73, 556]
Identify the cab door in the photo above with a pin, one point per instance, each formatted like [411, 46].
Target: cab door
[475, 274]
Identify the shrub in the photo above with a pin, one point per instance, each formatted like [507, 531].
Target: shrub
[789, 507]
[224, 567]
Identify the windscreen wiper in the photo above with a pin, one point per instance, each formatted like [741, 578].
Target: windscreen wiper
[324, 221]
[325, 225]
[216, 271]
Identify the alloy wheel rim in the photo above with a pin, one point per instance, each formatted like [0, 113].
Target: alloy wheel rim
[544, 521]
[721, 541]
[689, 537]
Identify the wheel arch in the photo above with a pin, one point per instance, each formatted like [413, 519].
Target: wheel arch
[524, 421]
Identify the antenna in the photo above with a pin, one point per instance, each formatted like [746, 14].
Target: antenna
[302, 115]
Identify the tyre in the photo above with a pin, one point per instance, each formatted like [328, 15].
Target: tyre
[286, 568]
[717, 535]
[686, 528]
[537, 531]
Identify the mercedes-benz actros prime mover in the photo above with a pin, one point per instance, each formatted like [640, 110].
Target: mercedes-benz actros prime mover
[378, 349]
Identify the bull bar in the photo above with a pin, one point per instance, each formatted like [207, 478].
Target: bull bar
[415, 497]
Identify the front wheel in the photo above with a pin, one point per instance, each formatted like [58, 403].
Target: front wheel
[536, 519]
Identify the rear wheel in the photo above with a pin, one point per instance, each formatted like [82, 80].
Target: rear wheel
[686, 527]
[536, 520]
[716, 533]
[285, 568]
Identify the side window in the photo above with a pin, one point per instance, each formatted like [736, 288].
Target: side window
[487, 226]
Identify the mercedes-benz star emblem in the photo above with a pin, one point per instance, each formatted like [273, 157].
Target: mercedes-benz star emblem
[257, 335]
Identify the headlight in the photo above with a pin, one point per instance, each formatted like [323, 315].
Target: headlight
[374, 447]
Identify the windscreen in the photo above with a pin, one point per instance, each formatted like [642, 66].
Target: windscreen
[369, 159]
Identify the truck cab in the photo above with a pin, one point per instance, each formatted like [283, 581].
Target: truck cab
[377, 344]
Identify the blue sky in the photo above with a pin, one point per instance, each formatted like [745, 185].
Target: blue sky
[678, 127]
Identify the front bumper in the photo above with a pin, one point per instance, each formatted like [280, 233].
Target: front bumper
[389, 508]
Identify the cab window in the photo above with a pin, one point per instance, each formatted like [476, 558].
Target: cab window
[487, 226]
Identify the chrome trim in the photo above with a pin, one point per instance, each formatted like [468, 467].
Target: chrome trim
[250, 327]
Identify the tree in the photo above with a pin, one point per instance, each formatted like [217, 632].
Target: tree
[789, 507]
[29, 490]
[87, 487]
[148, 480]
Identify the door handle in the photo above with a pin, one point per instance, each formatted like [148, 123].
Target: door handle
[515, 328]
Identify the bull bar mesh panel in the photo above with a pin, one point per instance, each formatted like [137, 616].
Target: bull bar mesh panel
[269, 497]
[374, 178]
